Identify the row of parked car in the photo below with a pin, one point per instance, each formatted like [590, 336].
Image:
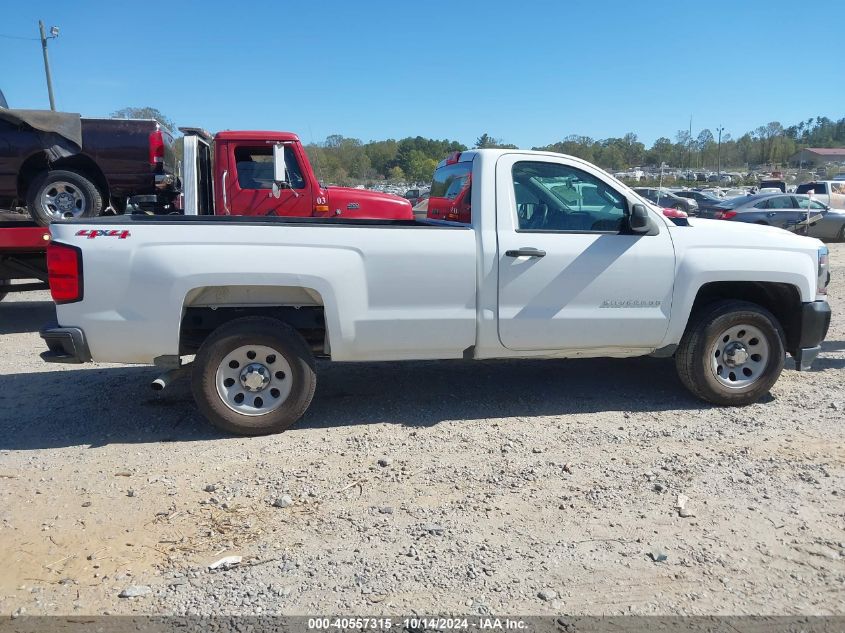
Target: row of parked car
[816, 208]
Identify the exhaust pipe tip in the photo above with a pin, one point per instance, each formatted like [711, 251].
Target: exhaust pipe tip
[167, 377]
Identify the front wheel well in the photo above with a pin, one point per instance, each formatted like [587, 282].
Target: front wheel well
[781, 299]
[199, 322]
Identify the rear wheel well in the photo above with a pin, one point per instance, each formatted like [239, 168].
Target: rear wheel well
[79, 163]
[782, 300]
[199, 322]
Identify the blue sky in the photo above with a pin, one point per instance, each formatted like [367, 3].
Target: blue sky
[528, 72]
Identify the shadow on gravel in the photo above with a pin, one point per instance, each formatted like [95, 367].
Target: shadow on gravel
[425, 393]
[833, 346]
[95, 407]
[99, 406]
[17, 316]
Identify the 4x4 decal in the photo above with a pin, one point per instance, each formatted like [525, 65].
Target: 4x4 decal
[91, 234]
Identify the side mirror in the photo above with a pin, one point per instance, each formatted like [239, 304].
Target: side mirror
[280, 170]
[638, 220]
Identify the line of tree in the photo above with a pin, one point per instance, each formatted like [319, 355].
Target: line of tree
[344, 160]
[771, 144]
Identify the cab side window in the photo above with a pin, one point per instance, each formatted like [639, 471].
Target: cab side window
[555, 197]
[255, 167]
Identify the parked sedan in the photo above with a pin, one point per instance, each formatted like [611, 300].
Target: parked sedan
[793, 212]
[665, 198]
[704, 200]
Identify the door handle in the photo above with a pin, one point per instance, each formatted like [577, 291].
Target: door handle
[526, 252]
[223, 191]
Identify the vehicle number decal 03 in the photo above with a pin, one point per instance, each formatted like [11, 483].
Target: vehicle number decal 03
[91, 234]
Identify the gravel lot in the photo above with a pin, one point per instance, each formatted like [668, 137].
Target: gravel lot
[528, 487]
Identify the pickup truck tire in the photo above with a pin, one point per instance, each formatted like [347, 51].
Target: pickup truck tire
[58, 193]
[731, 353]
[254, 376]
[3, 284]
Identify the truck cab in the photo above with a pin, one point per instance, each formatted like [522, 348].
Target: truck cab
[242, 182]
[829, 192]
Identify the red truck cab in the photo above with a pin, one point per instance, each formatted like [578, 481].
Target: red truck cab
[243, 183]
[451, 190]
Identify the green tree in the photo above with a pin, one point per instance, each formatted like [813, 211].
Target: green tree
[420, 167]
[396, 173]
[485, 141]
[661, 152]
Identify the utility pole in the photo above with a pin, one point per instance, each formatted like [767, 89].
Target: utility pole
[54, 33]
[689, 144]
[719, 129]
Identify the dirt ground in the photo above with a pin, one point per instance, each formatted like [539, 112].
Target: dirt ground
[528, 487]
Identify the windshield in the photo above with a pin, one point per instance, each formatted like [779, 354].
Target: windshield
[732, 203]
[815, 187]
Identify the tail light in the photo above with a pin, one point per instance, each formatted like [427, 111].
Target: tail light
[724, 215]
[156, 148]
[64, 272]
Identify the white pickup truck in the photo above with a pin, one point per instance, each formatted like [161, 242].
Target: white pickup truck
[560, 260]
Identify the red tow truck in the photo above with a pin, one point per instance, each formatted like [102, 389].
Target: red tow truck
[22, 253]
[238, 180]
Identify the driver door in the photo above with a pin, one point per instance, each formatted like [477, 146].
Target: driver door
[249, 182]
[569, 277]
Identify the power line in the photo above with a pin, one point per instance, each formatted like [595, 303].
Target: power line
[17, 37]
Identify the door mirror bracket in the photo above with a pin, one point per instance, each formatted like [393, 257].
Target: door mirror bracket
[280, 171]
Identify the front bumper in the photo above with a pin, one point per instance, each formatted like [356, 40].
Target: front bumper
[812, 328]
[65, 345]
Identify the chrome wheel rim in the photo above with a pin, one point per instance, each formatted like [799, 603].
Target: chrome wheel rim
[739, 356]
[62, 199]
[254, 380]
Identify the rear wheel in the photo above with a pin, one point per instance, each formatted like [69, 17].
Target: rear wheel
[254, 376]
[60, 194]
[731, 354]
[4, 283]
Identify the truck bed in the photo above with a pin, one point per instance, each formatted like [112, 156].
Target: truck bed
[147, 220]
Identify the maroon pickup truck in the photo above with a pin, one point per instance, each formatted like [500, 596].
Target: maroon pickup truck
[60, 165]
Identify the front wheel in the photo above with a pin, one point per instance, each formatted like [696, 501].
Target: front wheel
[254, 376]
[4, 283]
[732, 353]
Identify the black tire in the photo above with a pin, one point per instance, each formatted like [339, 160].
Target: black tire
[87, 199]
[242, 333]
[3, 284]
[694, 362]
